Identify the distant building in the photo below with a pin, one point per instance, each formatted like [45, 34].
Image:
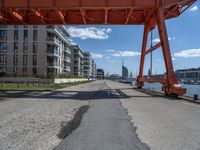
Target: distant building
[34, 50]
[94, 69]
[124, 72]
[77, 60]
[188, 74]
[100, 74]
[87, 64]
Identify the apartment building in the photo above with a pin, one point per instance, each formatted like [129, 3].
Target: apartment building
[77, 60]
[94, 69]
[87, 64]
[34, 50]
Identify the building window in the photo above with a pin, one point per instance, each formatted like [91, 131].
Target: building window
[3, 59]
[25, 59]
[35, 47]
[14, 70]
[16, 26]
[34, 60]
[25, 35]
[34, 70]
[35, 35]
[15, 47]
[15, 59]
[24, 69]
[3, 47]
[3, 34]
[25, 26]
[16, 35]
[25, 47]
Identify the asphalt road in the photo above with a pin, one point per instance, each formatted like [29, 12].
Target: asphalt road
[155, 122]
[106, 125]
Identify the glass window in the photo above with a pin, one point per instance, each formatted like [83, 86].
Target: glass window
[3, 47]
[25, 59]
[15, 59]
[24, 69]
[34, 70]
[3, 59]
[35, 35]
[15, 47]
[16, 35]
[25, 35]
[34, 60]
[3, 34]
[25, 47]
[35, 47]
[35, 26]
[16, 26]
[14, 69]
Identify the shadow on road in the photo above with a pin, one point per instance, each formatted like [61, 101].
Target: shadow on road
[79, 95]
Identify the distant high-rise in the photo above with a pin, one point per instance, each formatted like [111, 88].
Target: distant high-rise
[124, 70]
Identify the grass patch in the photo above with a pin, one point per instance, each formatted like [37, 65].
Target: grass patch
[30, 86]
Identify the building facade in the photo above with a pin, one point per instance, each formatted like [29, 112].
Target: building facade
[100, 74]
[124, 72]
[32, 50]
[188, 74]
[77, 61]
[94, 69]
[89, 65]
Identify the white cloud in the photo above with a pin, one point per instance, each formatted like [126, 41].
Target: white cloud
[94, 55]
[108, 57]
[89, 33]
[157, 40]
[72, 41]
[110, 50]
[126, 53]
[188, 53]
[194, 8]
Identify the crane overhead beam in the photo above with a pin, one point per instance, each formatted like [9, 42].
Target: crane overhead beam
[126, 12]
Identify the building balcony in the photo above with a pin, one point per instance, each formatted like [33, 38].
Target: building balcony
[53, 53]
[67, 59]
[53, 41]
[56, 30]
[67, 68]
[66, 49]
[53, 65]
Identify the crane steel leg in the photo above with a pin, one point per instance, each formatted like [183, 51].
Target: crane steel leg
[140, 82]
[170, 83]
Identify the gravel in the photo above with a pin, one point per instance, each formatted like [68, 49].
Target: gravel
[34, 123]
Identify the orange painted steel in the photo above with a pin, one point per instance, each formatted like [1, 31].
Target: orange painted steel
[149, 13]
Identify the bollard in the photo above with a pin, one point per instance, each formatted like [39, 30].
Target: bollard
[195, 97]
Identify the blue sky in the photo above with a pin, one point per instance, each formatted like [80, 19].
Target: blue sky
[110, 43]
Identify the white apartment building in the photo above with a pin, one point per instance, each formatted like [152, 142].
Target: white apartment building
[34, 50]
[89, 65]
[77, 59]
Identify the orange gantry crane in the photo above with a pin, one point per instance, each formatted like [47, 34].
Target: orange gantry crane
[150, 13]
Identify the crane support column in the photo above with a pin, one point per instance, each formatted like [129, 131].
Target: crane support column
[170, 83]
[140, 82]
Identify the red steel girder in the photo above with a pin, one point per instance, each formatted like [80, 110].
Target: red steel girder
[122, 12]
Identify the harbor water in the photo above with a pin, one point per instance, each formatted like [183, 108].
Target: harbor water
[191, 89]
